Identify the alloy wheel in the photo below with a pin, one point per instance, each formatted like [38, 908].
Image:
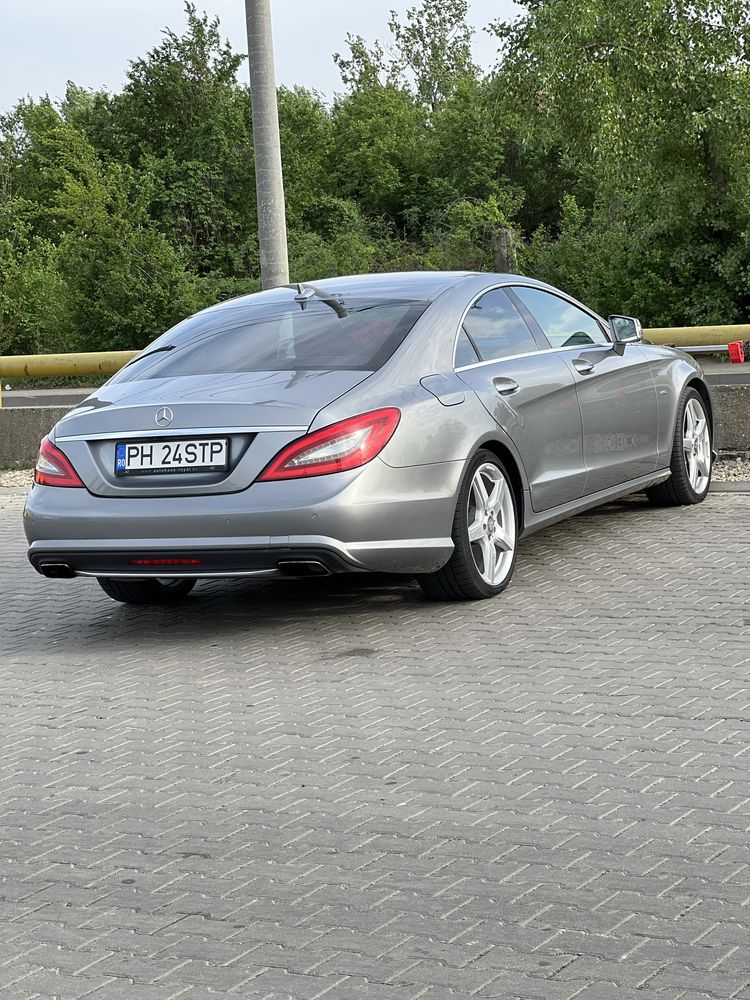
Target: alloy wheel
[492, 524]
[696, 444]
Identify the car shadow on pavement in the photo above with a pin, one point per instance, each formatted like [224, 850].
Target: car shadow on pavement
[275, 612]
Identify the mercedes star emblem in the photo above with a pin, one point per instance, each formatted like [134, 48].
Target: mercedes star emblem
[164, 416]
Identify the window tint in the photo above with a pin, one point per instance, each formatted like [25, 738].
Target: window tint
[564, 324]
[254, 334]
[496, 328]
[465, 353]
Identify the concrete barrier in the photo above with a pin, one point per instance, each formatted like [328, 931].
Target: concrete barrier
[732, 417]
[21, 430]
[23, 427]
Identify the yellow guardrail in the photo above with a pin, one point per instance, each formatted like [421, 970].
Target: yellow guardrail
[43, 365]
[108, 362]
[692, 336]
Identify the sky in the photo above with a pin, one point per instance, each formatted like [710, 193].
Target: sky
[44, 43]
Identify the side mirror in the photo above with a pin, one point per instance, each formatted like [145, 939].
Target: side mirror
[625, 330]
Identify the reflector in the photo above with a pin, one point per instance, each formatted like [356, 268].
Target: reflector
[165, 562]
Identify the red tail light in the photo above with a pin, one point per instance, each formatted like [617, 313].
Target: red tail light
[53, 468]
[337, 448]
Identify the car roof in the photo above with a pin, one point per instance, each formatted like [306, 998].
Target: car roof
[423, 285]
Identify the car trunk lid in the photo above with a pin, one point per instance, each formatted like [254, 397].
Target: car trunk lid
[257, 413]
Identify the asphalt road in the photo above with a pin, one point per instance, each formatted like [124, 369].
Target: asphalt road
[44, 397]
[338, 790]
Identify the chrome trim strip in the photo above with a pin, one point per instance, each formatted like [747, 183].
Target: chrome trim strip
[400, 543]
[183, 432]
[539, 286]
[175, 576]
[532, 354]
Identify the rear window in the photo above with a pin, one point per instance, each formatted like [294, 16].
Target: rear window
[331, 334]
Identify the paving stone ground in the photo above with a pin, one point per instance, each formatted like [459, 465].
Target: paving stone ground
[336, 789]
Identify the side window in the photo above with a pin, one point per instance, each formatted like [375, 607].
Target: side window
[496, 328]
[564, 324]
[465, 353]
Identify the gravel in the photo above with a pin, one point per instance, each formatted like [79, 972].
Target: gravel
[726, 470]
[15, 477]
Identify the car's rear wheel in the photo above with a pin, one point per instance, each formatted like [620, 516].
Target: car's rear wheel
[691, 456]
[146, 591]
[485, 536]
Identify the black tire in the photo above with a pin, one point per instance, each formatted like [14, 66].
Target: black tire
[460, 578]
[144, 592]
[677, 490]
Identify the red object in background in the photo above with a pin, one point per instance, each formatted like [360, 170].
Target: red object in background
[736, 352]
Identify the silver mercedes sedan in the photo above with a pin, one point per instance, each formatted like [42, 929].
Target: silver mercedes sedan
[414, 423]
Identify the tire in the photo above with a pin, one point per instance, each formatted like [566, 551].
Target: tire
[144, 592]
[691, 470]
[467, 576]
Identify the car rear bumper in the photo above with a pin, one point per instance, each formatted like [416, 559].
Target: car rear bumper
[378, 519]
[312, 556]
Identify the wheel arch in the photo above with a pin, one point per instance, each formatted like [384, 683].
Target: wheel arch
[513, 469]
[700, 386]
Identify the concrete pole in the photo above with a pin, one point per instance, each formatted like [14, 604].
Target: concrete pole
[269, 181]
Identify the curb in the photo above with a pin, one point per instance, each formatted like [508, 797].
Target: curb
[735, 486]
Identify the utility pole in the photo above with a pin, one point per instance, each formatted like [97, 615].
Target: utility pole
[269, 181]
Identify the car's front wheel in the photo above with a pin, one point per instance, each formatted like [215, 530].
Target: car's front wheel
[146, 592]
[485, 536]
[691, 456]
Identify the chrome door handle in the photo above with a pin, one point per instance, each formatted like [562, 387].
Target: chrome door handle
[505, 386]
[583, 366]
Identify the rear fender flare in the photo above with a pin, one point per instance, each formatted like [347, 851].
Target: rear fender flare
[501, 445]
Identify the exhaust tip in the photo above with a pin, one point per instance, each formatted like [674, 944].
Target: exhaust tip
[56, 570]
[302, 567]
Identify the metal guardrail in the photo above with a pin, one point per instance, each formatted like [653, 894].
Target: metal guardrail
[45, 365]
[696, 336]
[109, 362]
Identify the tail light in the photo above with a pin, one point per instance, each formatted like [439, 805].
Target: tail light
[53, 468]
[339, 447]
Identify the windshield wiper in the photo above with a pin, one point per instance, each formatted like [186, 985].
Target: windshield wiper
[156, 350]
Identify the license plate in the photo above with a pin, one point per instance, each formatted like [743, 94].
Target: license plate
[139, 458]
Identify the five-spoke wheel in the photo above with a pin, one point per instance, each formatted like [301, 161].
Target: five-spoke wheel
[492, 523]
[696, 444]
[692, 455]
[485, 535]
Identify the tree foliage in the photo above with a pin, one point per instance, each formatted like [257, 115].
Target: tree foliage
[608, 151]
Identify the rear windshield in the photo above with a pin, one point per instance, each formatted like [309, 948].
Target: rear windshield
[331, 334]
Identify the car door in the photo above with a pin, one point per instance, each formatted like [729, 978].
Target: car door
[530, 391]
[616, 391]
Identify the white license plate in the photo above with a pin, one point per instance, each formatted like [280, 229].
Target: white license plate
[138, 458]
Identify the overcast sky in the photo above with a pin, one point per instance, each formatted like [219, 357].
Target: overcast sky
[44, 43]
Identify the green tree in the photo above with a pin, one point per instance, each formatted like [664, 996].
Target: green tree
[77, 229]
[642, 109]
[183, 119]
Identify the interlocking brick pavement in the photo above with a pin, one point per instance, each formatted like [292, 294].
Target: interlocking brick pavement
[336, 789]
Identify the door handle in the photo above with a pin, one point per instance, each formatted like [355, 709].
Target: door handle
[505, 386]
[583, 366]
